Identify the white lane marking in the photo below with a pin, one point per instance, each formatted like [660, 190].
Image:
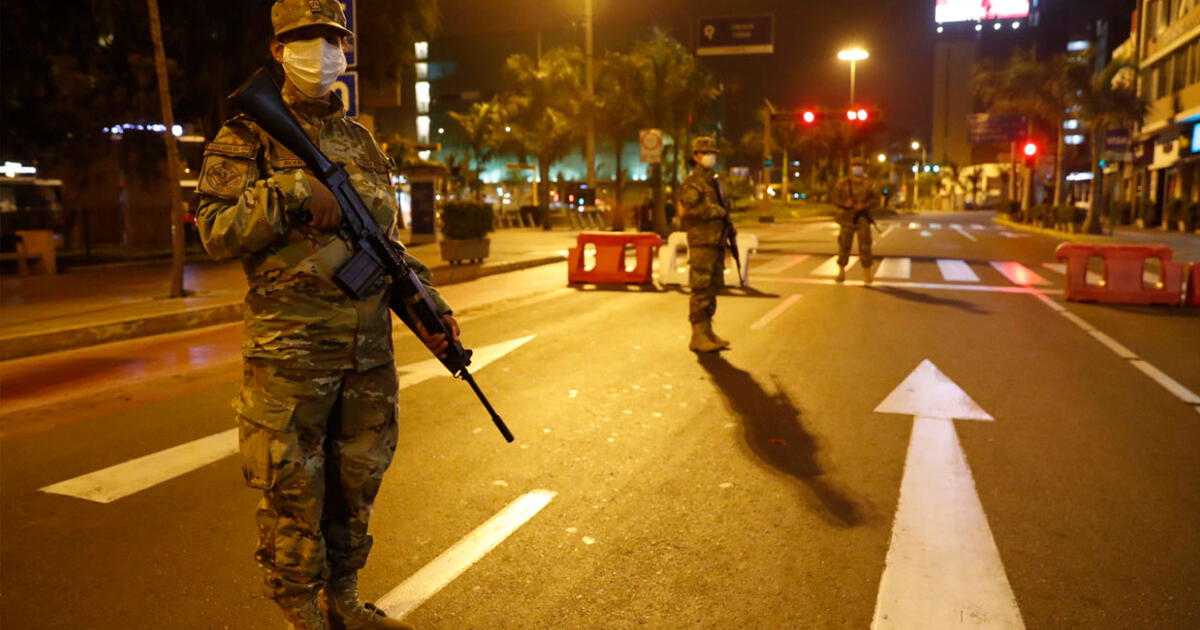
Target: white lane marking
[1019, 274]
[956, 270]
[115, 482]
[937, 286]
[1166, 382]
[926, 234]
[941, 542]
[1007, 234]
[1093, 278]
[829, 268]
[886, 232]
[781, 264]
[978, 226]
[775, 312]
[895, 268]
[121, 480]
[935, 226]
[433, 577]
[958, 228]
[914, 225]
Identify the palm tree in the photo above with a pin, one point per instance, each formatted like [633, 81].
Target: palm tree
[479, 124]
[1107, 103]
[618, 116]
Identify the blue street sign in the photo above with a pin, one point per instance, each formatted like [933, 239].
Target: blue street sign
[346, 88]
[350, 7]
[748, 35]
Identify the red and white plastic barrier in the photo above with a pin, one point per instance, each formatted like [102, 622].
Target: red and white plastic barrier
[1124, 270]
[610, 258]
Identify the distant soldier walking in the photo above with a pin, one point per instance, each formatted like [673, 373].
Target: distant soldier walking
[318, 406]
[705, 218]
[855, 196]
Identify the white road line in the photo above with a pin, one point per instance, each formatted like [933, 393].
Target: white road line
[934, 286]
[895, 269]
[135, 475]
[978, 226]
[121, 480]
[433, 577]
[941, 542]
[775, 312]
[1171, 385]
[781, 264]
[1061, 269]
[1019, 274]
[1168, 383]
[1007, 234]
[914, 225]
[886, 232]
[926, 234]
[935, 226]
[954, 270]
[958, 228]
[829, 268]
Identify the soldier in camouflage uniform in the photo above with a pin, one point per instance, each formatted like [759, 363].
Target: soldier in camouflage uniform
[705, 219]
[318, 407]
[855, 196]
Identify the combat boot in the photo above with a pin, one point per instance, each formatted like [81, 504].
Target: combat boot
[701, 342]
[712, 335]
[841, 277]
[867, 276]
[348, 612]
[302, 612]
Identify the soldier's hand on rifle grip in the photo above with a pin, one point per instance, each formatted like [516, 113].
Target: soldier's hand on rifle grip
[438, 343]
[326, 212]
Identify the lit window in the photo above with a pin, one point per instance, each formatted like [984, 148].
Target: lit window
[423, 129]
[1071, 124]
[422, 70]
[422, 97]
[422, 50]
[1078, 45]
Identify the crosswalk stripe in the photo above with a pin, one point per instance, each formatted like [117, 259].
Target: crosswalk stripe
[935, 226]
[1061, 269]
[1019, 274]
[978, 226]
[956, 270]
[895, 268]
[926, 234]
[830, 267]
[781, 264]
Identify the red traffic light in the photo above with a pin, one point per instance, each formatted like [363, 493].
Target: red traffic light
[1030, 149]
[809, 117]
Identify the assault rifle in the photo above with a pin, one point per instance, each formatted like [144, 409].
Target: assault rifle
[730, 236]
[376, 257]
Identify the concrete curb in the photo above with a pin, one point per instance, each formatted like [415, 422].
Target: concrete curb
[44, 342]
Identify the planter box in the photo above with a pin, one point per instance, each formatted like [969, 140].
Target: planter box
[457, 252]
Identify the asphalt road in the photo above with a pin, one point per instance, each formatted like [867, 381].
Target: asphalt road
[757, 488]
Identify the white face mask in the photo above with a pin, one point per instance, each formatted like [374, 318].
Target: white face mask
[708, 160]
[313, 65]
[857, 171]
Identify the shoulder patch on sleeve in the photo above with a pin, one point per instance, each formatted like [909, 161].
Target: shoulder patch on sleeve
[224, 177]
[236, 139]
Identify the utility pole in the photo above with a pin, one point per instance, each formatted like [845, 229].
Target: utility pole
[590, 143]
[770, 109]
[164, 98]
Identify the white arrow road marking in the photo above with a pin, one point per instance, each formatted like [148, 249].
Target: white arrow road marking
[121, 480]
[433, 577]
[943, 570]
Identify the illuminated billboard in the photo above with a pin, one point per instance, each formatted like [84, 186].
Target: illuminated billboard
[980, 10]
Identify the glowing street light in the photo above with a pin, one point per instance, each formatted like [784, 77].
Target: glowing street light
[853, 55]
[882, 158]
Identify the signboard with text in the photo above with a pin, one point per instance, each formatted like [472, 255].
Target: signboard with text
[979, 10]
[747, 35]
[650, 142]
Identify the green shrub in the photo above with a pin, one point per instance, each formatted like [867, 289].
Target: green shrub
[463, 220]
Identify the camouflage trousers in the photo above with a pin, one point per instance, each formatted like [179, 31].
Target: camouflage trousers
[706, 269]
[317, 443]
[851, 225]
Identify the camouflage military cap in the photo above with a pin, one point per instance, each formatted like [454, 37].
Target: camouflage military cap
[704, 144]
[289, 15]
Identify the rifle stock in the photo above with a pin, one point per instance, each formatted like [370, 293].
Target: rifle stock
[376, 256]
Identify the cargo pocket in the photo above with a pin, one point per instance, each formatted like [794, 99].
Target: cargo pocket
[269, 451]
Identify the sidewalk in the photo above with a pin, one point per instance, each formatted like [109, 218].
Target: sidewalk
[1185, 247]
[40, 314]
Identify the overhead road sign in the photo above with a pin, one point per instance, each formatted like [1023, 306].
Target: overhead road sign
[745, 35]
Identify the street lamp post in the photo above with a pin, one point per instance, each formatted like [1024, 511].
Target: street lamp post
[917, 146]
[853, 55]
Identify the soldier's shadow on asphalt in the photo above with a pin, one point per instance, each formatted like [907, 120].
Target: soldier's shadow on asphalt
[775, 434]
[916, 296]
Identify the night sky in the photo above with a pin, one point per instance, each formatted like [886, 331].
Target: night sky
[804, 70]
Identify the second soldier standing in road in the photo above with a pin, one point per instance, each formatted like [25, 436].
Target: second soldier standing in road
[705, 219]
[855, 196]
